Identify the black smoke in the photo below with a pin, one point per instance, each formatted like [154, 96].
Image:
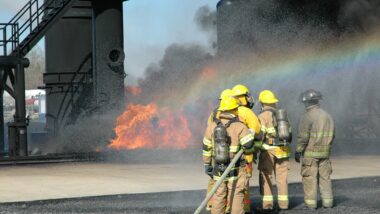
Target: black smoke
[172, 77]
[359, 15]
[205, 18]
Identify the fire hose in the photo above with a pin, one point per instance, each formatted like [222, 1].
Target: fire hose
[219, 182]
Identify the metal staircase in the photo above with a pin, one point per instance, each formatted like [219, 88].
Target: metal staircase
[17, 38]
[28, 26]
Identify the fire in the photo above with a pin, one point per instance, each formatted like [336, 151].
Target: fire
[135, 90]
[148, 126]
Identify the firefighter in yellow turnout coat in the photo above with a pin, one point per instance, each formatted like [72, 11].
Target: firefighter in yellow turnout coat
[274, 158]
[315, 136]
[215, 113]
[248, 117]
[216, 157]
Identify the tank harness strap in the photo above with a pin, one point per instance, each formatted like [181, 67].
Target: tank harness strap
[218, 121]
[214, 116]
[271, 110]
[273, 113]
[234, 120]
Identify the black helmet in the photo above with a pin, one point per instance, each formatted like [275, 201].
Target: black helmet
[310, 95]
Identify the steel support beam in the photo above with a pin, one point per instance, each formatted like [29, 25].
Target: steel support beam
[17, 130]
[2, 137]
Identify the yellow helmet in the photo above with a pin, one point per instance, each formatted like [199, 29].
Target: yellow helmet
[240, 90]
[225, 93]
[228, 103]
[268, 97]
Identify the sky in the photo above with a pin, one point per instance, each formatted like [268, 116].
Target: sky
[149, 27]
[152, 25]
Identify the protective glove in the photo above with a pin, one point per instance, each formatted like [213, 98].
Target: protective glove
[209, 170]
[298, 157]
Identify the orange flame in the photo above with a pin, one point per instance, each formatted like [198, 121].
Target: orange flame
[148, 126]
[135, 90]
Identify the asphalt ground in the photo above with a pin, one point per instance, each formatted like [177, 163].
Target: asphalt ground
[358, 195]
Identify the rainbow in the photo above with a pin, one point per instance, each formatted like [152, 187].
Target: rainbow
[307, 67]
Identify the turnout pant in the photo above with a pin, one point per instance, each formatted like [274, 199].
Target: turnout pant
[233, 192]
[247, 200]
[269, 164]
[316, 172]
[210, 185]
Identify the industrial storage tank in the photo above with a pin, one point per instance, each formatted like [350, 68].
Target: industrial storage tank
[250, 25]
[68, 77]
[232, 18]
[85, 69]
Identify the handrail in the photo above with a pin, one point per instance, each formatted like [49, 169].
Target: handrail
[29, 18]
[19, 12]
[9, 38]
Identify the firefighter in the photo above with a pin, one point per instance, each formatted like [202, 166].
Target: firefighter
[249, 118]
[315, 136]
[216, 112]
[274, 155]
[217, 153]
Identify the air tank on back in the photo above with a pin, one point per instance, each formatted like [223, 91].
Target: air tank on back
[283, 126]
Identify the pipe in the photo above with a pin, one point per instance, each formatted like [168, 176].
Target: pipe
[20, 93]
[219, 182]
[13, 61]
[23, 141]
[2, 139]
[12, 140]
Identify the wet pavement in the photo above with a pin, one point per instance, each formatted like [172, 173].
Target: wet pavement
[356, 195]
[71, 180]
[132, 187]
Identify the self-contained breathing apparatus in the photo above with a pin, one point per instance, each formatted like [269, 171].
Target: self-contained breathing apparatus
[282, 127]
[222, 142]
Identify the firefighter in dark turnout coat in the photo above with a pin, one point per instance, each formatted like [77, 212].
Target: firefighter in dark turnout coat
[315, 136]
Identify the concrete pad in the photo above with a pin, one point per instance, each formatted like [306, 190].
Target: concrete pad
[67, 180]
